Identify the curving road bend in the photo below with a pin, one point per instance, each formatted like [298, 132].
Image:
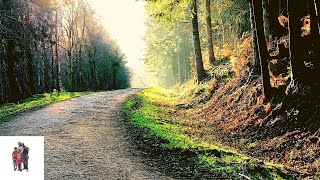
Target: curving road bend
[85, 139]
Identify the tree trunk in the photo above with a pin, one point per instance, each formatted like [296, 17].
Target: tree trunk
[196, 39]
[13, 84]
[187, 60]
[46, 69]
[181, 68]
[212, 59]
[31, 82]
[52, 69]
[114, 77]
[80, 73]
[70, 71]
[315, 34]
[93, 72]
[256, 65]
[58, 81]
[175, 74]
[270, 18]
[262, 47]
[11, 59]
[296, 51]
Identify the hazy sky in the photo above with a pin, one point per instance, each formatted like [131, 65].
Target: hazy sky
[125, 22]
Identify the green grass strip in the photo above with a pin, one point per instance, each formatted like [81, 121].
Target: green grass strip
[150, 111]
[36, 101]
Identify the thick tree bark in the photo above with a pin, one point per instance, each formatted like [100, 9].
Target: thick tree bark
[296, 51]
[212, 59]
[196, 39]
[262, 47]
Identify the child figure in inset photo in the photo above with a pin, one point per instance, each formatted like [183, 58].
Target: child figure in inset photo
[14, 158]
[19, 160]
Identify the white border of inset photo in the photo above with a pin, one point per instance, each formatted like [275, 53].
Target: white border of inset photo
[36, 157]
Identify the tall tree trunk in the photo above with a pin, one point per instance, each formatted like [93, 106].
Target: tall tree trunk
[70, 71]
[267, 19]
[187, 60]
[114, 77]
[296, 51]
[2, 74]
[93, 69]
[268, 15]
[196, 39]
[95, 81]
[58, 81]
[181, 68]
[212, 59]
[11, 59]
[262, 47]
[315, 34]
[80, 83]
[31, 82]
[175, 68]
[52, 69]
[256, 65]
[46, 69]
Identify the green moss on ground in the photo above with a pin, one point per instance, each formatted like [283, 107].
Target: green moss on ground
[151, 110]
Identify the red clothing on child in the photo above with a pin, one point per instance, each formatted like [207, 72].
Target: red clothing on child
[14, 155]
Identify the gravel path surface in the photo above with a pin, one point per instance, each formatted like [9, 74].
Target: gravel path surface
[85, 138]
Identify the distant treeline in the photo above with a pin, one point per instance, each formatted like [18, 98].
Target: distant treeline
[52, 45]
[186, 37]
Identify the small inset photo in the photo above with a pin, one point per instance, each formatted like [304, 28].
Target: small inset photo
[22, 157]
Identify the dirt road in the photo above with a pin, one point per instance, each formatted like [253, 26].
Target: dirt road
[89, 128]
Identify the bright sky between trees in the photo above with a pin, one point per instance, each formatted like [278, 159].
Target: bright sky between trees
[125, 22]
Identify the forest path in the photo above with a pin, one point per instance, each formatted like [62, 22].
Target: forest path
[85, 138]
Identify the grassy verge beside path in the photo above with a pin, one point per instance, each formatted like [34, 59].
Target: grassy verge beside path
[36, 101]
[152, 112]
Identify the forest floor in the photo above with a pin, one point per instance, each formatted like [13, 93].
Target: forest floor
[92, 129]
[224, 128]
[188, 145]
